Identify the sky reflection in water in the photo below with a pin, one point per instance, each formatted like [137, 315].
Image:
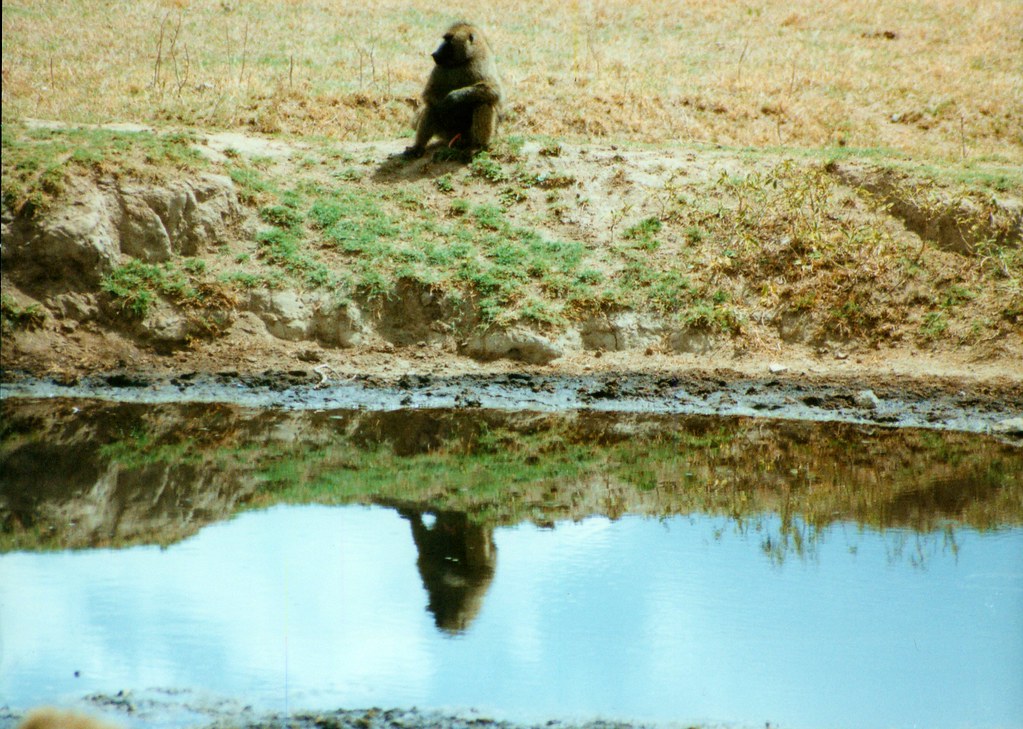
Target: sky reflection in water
[685, 619]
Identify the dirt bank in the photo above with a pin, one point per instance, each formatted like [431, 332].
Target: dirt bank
[165, 254]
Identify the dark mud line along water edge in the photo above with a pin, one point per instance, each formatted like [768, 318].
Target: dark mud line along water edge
[936, 403]
[224, 715]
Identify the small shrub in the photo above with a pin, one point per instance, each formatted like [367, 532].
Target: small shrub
[280, 215]
[13, 316]
[644, 229]
[934, 326]
[489, 217]
[485, 167]
[325, 213]
[444, 183]
[136, 285]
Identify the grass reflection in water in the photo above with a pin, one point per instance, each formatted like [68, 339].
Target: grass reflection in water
[85, 473]
[80, 474]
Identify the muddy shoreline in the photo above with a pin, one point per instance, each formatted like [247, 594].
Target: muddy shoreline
[126, 709]
[989, 406]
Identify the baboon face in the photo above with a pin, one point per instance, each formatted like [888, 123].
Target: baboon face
[456, 48]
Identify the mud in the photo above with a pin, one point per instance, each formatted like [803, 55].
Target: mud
[938, 403]
[221, 714]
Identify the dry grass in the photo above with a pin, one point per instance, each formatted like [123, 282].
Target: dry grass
[939, 80]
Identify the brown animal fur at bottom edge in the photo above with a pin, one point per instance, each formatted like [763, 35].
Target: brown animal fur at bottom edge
[47, 718]
[462, 98]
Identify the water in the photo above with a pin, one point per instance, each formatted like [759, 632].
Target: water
[708, 615]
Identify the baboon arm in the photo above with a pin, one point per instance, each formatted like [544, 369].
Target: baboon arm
[481, 92]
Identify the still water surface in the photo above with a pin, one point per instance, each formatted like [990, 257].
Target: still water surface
[685, 618]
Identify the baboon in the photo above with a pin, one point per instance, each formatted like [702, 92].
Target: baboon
[462, 98]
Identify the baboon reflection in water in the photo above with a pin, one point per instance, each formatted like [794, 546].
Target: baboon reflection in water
[457, 559]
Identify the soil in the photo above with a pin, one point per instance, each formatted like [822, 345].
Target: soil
[896, 388]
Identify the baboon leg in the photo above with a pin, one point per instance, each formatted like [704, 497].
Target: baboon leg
[484, 122]
[425, 130]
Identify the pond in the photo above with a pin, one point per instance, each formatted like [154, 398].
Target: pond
[576, 566]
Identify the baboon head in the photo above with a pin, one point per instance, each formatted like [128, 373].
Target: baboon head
[461, 43]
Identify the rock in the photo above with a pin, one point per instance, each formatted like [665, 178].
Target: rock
[142, 233]
[776, 369]
[516, 343]
[284, 313]
[81, 238]
[621, 331]
[183, 217]
[77, 307]
[69, 246]
[414, 312]
[793, 327]
[338, 325]
[165, 326]
[196, 214]
[691, 341]
[249, 324]
[952, 222]
[1010, 426]
[867, 399]
[294, 317]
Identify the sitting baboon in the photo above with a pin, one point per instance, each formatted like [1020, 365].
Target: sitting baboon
[462, 98]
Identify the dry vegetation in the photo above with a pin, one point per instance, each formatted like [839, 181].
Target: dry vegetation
[936, 79]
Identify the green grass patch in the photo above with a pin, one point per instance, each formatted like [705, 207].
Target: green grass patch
[135, 285]
[14, 317]
[37, 162]
[285, 249]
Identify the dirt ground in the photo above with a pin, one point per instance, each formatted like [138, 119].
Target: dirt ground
[57, 355]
